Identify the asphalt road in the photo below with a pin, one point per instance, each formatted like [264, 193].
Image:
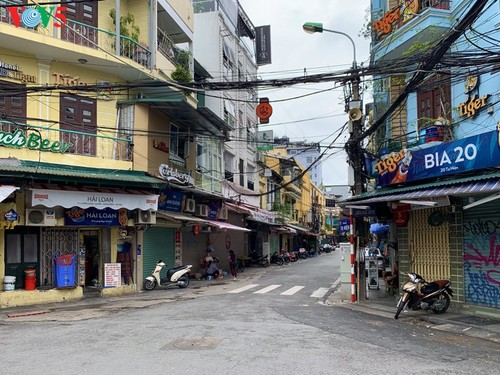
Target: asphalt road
[272, 323]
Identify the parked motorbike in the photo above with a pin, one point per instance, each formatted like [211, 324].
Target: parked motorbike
[303, 254]
[420, 294]
[277, 259]
[178, 276]
[261, 260]
[285, 256]
[293, 257]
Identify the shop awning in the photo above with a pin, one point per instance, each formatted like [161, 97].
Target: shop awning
[304, 230]
[6, 190]
[98, 198]
[238, 208]
[483, 184]
[38, 171]
[181, 218]
[225, 226]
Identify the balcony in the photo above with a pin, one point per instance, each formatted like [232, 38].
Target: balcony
[77, 43]
[396, 32]
[67, 142]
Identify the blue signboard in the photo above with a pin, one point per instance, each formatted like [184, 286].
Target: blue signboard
[170, 201]
[344, 226]
[106, 217]
[476, 152]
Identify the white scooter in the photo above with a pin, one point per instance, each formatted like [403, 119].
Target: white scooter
[175, 276]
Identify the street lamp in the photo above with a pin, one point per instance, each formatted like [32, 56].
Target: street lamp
[316, 27]
[354, 154]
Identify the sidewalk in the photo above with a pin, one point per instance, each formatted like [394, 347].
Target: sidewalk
[93, 307]
[456, 320]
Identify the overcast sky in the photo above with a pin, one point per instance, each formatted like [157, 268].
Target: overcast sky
[318, 117]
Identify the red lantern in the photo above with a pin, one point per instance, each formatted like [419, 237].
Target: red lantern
[196, 229]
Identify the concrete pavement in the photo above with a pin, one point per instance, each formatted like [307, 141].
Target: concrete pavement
[459, 321]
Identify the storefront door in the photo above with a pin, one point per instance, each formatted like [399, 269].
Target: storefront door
[22, 251]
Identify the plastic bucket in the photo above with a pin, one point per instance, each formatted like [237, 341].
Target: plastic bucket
[30, 279]
[9, 283]
[432, 134]
[30, 282]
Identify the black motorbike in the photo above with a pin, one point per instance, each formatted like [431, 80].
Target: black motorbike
[420, 294]
[260, 260]
[277, 259]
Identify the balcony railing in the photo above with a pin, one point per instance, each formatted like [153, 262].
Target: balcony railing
[85, 144]
[88, 36]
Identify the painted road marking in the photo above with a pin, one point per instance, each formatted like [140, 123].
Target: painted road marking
[292, 291]
[242, 289]
[268, 289]
[319, 292]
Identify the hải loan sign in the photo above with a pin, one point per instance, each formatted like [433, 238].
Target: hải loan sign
[33, 141]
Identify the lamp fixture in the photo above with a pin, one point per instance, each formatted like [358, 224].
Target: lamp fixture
[482, 201]
[421, 203]
[82, 61]
[356, 207]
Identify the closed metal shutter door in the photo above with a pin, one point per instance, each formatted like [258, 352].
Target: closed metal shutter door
[429, 246]
[481, 241]
[158, 243]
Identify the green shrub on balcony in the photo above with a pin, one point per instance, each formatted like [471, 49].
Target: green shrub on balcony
[129, 33]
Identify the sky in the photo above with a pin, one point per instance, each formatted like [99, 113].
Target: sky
[318, 116]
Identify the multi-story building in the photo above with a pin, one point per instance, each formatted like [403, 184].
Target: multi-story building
[306, 153]
[436, 120]
[99, 143]
[224, 45]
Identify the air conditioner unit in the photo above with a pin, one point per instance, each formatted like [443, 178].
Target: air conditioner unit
[202, 210]
[222, 213]
[40, 217]
[145, 217]
[190, 205]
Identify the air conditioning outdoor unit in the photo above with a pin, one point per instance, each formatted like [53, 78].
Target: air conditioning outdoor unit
[190, 205]
[222, 213]
[145, 217]
[201, 210]
[40, 217]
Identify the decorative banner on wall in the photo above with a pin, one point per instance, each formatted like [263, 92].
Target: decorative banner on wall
[106, 217]
[444, 159]
[263, 44]
[170, 200]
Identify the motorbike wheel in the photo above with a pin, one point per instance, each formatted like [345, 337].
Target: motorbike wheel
[149, 285]
[442, 304]
[264, 263]
[279, 262]
[183, 281]
[401, 306]
[287, 260]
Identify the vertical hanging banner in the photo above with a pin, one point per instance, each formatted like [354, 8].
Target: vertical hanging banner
[263, 45]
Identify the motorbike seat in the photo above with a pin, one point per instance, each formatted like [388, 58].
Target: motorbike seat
[429, 288]
[173, 270]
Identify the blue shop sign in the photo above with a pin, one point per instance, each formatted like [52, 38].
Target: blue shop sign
[170, 200]
[106, 217]
[344, 226]
[467, 154]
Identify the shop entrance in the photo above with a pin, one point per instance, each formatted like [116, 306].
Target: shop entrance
[92, 258]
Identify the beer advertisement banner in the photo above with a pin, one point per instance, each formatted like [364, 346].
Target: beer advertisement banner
[451, 158]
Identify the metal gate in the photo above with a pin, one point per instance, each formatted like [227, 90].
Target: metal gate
[158, 243]
[55, 241]
[429, 246]
[481, 244]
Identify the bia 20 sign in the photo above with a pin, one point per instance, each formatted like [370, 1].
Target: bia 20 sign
[33, 17]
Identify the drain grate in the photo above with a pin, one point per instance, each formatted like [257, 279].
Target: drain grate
[476, 320]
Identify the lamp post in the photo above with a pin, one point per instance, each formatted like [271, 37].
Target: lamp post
[316, 27]
[354, 153]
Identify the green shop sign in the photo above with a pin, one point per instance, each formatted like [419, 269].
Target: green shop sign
[34, 142]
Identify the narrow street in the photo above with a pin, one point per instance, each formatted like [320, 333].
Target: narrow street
[274, 321]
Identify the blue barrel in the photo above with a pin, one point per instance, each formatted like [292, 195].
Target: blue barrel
[432, 134]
